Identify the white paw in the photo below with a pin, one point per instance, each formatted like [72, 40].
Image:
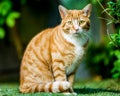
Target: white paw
[70, 94]
[60, 86]
[74, 94]
[66, 85]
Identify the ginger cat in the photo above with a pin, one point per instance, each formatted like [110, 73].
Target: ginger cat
[50, 61]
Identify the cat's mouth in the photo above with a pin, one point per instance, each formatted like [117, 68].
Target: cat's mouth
[80, 32]
[77, 34]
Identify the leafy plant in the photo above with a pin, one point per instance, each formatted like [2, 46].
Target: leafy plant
[7, 15]
[113, 11]
[105, 58]
[115, 39]
[116, 68]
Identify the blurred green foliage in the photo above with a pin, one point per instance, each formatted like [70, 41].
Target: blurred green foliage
[100, 59]
[75, 4]
[116, 68]
[7, 15]
[78, 4]
[114, 11]
[2, 33]
[106, 57]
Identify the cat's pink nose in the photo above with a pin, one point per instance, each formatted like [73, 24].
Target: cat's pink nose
[77, 30]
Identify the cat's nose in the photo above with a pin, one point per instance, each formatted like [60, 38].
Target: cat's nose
[77, 29]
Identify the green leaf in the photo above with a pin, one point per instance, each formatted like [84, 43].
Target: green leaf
[117, 54]
[5, 7]
[14, 15]
[116, 75]
[2, 33]
[117, 65]
[10, 21]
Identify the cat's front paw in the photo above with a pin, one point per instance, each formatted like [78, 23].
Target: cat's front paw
[70, 94]
[60, 86]
[66, 85]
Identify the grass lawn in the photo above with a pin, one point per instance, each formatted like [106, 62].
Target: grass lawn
[83, 88]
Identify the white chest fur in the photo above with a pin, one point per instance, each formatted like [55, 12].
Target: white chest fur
[79, 52]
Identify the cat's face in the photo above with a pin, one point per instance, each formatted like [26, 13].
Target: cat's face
[75, 21]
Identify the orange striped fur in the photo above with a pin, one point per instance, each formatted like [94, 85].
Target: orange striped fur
[51, 58]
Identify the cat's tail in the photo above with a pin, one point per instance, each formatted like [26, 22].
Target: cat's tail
[57, 86]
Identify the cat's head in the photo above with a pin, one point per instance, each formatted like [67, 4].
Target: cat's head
[75, 21]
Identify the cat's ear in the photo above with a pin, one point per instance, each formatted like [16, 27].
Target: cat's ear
[63, 11]
[87, 10]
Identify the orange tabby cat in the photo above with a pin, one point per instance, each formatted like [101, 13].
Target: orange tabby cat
[50, 61]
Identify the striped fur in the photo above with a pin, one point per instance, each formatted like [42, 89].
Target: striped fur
[52, 57]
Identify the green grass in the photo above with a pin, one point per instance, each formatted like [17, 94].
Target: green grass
[83, 88]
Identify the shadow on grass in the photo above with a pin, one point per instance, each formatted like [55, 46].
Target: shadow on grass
[94, 90]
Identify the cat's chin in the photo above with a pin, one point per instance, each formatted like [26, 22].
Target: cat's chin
[77, 34]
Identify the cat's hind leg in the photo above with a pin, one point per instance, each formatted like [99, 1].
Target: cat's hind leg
[45, 87]
[42, 83]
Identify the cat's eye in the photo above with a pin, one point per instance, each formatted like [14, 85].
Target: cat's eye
[81, 21]
[69, 22]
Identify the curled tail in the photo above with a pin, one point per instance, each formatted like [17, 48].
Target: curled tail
[57, 86]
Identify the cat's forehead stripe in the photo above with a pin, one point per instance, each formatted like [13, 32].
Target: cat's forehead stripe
[75, 13]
